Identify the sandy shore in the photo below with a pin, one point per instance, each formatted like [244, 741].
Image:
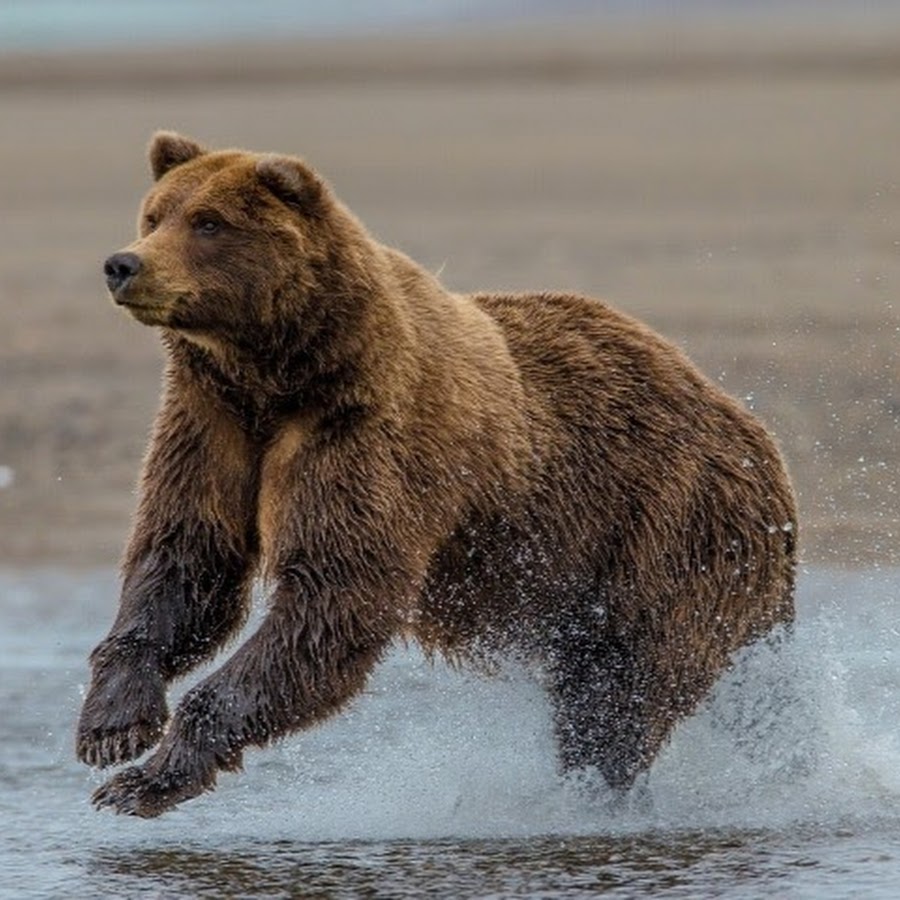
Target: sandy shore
[738, 192]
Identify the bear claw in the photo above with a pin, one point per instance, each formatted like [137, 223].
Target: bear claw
[124, 714]
[138, 792]
[110, 748]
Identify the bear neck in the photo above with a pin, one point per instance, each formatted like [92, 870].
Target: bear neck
[357, 362]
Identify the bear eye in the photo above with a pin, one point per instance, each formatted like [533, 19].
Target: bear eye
[207, 226]
[150, 222]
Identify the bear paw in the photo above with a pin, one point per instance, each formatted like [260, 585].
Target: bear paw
[121, 718]
[140, 792]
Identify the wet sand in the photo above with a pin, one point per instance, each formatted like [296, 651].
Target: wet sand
[738, 192]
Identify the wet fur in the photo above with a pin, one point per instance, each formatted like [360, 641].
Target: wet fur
[536, 475]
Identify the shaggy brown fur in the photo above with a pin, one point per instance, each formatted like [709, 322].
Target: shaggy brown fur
[535, 475]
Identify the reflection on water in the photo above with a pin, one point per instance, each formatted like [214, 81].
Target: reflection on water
[649, 865]
[437, 782]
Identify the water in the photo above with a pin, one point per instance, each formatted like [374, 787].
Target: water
[437, 782]
[61, 24]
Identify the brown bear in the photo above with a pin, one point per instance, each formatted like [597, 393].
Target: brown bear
[491, 475]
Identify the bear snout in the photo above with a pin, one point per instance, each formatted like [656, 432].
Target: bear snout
[119, 269]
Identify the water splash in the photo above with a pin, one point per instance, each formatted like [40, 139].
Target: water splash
[803, 735]
[800, 733]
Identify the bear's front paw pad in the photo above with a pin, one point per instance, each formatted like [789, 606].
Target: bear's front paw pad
[138, 792]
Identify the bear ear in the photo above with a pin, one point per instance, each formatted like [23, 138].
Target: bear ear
[169, 149]
[291, 182]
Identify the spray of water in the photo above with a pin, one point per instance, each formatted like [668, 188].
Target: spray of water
[801, 732]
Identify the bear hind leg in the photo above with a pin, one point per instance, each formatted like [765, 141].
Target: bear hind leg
[603, 713]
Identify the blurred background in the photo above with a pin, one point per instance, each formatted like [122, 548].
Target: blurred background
[727, 171]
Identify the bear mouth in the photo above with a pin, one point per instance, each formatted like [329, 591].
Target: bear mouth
[148, 313]
[150, 308]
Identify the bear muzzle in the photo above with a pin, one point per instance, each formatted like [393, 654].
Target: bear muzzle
[119, 270]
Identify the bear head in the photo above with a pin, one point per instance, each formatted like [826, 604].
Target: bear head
[232, 246]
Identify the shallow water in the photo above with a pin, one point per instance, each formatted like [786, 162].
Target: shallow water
[438, 782]
[82, 24]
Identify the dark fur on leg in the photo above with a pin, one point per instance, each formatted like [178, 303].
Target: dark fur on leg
[123, 715]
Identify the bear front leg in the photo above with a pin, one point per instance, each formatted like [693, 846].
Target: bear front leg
[124, 712]
[287, 676]
[171, 617]
[186, 577]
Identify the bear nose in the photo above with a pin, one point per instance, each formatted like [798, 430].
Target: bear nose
[120, 268]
